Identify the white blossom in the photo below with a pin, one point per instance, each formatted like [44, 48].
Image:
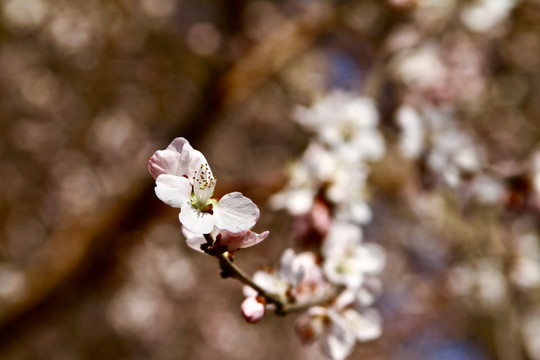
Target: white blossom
[484, 15]
[525, 271]
[184, 180]
[346, 123]
[342, 181]
[412, 131]
[482, 281]
[339, 326]
[347, 260]
[420, 68]
[452, 152]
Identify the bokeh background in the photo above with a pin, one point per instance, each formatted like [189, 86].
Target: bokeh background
[93, 266]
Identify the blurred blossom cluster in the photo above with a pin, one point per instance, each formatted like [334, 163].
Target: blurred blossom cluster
[327, 195]
[333, 168]
[383, 156]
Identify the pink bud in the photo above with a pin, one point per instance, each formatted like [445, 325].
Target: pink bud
[253, 308]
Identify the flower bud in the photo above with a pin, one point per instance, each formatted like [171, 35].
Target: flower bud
[253, 308]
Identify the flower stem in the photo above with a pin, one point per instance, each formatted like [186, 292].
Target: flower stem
[240, 275]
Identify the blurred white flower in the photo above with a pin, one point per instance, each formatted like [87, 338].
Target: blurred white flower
[482, 281]
[24, 14]
[420, 68]
[487, 189]
[347, 260]
[323, 172]
[525, 271]
[484, 15]
[346, 123]
[411, 142]
[536, 172]
[453, 152]
[339, 326]
[13, 283]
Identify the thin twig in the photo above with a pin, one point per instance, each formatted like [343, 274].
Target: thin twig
[240, 275]
[282, 307]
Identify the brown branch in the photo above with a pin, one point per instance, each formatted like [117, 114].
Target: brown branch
[282, 306]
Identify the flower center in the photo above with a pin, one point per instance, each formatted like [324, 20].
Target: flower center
[204, 183]
[347, 131]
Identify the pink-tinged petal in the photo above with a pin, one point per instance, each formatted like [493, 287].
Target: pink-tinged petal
[243, 239]
[235, 212]
[194, 240]
[173, 190]
[253, 309]
[174, 160]
[195, 220]
[179, 145]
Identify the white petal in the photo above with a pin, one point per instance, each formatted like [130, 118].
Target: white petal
[195, 220]
[366, 326]
[372, 258]
[342, 234]
[196, 160]
[204, 183]
[296, 201]
[338, 343]
[179, 145]
[286, 263]
[364, 297]
[356, 211]
[345, 299]
[193, 240]
[270, 283]
[352, 279]
[173, 190]
[235, 212]
[248, 291]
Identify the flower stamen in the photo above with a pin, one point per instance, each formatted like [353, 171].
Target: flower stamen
[204, 183]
